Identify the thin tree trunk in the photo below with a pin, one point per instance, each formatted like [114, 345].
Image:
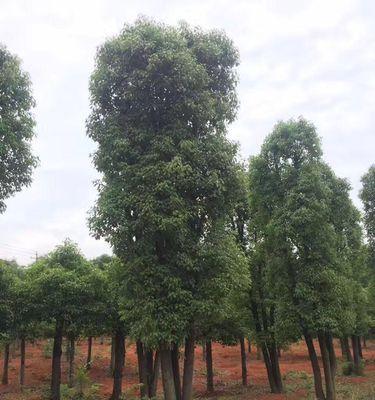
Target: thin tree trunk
[346, 349]
[142, 369]
[332, 355]
[329, 378]
[318, 383]
[243, 361]
[259, 352]
[89, 353]
[67, 349]
[356, 357]
[204, 351]
[119, 350]
[155, 376]
[167, 374]
[249, 345]
[187, 386]
[342, 346]
[276, 368]
[209, 367]
[269, 369]
[5, 379]
[56, 361]
[359, 347]
[111, 366]
[175, 353]
[71, 362]
[364, 342]
[22, 363]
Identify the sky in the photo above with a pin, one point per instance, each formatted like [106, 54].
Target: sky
[298, 57]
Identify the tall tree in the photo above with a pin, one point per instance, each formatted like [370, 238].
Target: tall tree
[161, 99]
[293, 203]
[16, 127]
[367, 195]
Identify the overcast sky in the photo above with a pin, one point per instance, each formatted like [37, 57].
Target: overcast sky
[310, 58]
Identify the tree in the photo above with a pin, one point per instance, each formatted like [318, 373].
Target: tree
[63, 295]
[294, 213]
[367, 195]
[8, 277]
[16, 127]
[161, 99]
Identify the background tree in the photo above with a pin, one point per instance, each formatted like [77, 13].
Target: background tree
[161, 99]
[16, 127]
[367, 195]
[63, 295]
[291, 193]
[8, 278]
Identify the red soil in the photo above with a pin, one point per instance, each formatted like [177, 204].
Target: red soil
[227, 370]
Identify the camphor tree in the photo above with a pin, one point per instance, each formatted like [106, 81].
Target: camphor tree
[16, 127]
[8, 278]
[367, 195]
[161, 99]
[63, 288]
[291, 193]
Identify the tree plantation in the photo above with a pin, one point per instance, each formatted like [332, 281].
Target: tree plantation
[268, 254]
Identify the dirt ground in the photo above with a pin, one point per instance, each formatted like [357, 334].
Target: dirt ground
[295, 368]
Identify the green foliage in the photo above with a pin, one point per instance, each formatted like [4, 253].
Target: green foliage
[303, 249]
[161, 99]
[16, 127]
[64, 288]
[367, 195]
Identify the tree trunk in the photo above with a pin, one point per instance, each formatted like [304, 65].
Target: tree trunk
[209, 367]
[119, 350]
[259, 352]
[243, 362]
[269, 369]
[342, 346]
[332, 355]
[89, 353]
[346, 349]
[204, 351]
[67, 349]
[153, 388]
[275, 368]
[22, 364]
[5, 379]
[167, 374]
[356, 357]
[329, 378]
[142, 369]
[359, 347]
[318, 383]
[187, 386]
[364, 342]
[71, 362]
[56, 361]
[111, 367]
[175, 353]
[249, 345]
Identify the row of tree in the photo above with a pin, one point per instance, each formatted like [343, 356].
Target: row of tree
[207, 248]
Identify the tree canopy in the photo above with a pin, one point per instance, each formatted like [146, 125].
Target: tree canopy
[16, 127]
